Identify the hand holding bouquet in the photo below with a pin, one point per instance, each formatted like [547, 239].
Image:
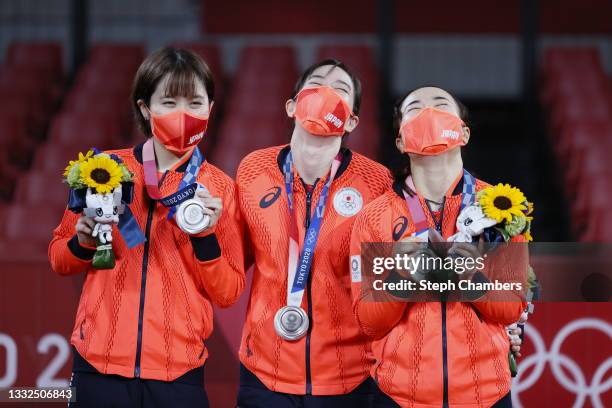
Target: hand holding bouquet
[95, 181]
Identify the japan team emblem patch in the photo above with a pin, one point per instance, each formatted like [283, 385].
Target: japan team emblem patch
[348, 202]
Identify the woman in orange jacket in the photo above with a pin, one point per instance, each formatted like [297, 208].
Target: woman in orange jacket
[140, 329]
[433, 353]
[301, 345]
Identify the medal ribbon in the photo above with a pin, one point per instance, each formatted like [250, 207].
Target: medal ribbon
[187, 187]
[299, 269]
[416, 210]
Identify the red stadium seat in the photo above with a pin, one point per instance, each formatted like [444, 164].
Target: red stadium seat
[42, 55]
[86, 129]
[595, 164]
[264, 58]
[33, 189]
[102, 101]
[567, 58]
[599, 227]
[53, 158]
[102, 104]
[212, 57]
[111, 55]
[264, 104]
[594, 107]
[209, 53]
[597, 194]
[9, 174]
[583, 142]
[365, 140]
[255, 82]
[14, 139]
[352, 55]
[227, 158]
[31, 222]
[368, 111]
[21, 103]
[31, 82]
[359, 58]
[256, 133]
[136, 136]
[574, 135]
[567, 84]
[115, 80]
[3, 207]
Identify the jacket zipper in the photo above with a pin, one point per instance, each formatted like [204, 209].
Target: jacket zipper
[143, 284]
[444, 355]
[309, 193]
[444, 334]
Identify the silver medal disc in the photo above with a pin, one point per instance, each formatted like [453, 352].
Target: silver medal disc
[291, 322]
[190, 218]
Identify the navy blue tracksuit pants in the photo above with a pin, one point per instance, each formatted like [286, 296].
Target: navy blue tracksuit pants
[96, 390]
[254, 394]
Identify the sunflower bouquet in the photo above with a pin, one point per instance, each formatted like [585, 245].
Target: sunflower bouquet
[509, 208]
[96, 182]
[501, 213]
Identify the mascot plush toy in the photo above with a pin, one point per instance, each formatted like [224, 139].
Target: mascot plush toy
[98, 185]
[471, 223]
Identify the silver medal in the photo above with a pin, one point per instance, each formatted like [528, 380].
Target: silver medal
[291, 322]
[190, 217]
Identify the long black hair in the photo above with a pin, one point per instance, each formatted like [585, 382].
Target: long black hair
[401, 171]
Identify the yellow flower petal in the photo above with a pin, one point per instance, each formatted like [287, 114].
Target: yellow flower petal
[101, 173]
[502, 201]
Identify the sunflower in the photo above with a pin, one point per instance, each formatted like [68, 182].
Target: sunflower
[501, 202]
[101, 173]
[82, 159]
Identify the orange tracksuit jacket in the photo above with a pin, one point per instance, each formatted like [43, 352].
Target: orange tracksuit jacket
[433, 353]
[150, 316]
[333, 357]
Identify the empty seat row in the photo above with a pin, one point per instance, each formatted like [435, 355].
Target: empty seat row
[577, 95]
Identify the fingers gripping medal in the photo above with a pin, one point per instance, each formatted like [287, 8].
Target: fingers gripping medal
[291, 322]
[190, 216]
[188, 211]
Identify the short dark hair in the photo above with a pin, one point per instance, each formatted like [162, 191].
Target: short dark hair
[397, 108]
[184, 67]
[335, 64]
[400, 173]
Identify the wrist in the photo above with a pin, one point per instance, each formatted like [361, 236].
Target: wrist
[208, 231]
[81, 251]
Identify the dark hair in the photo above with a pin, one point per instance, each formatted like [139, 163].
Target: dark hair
[401, 172]
[335, 64]
[184, 67]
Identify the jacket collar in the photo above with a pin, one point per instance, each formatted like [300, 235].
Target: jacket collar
[347, 156]
[137, 150]
[399, 188]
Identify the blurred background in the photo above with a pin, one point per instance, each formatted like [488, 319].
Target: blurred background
[536, 76]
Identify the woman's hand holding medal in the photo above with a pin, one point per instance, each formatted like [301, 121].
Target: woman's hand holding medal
[212, 206]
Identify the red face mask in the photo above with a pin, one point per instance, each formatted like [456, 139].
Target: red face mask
[432, 132]
[179, 131]
[321, 111]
